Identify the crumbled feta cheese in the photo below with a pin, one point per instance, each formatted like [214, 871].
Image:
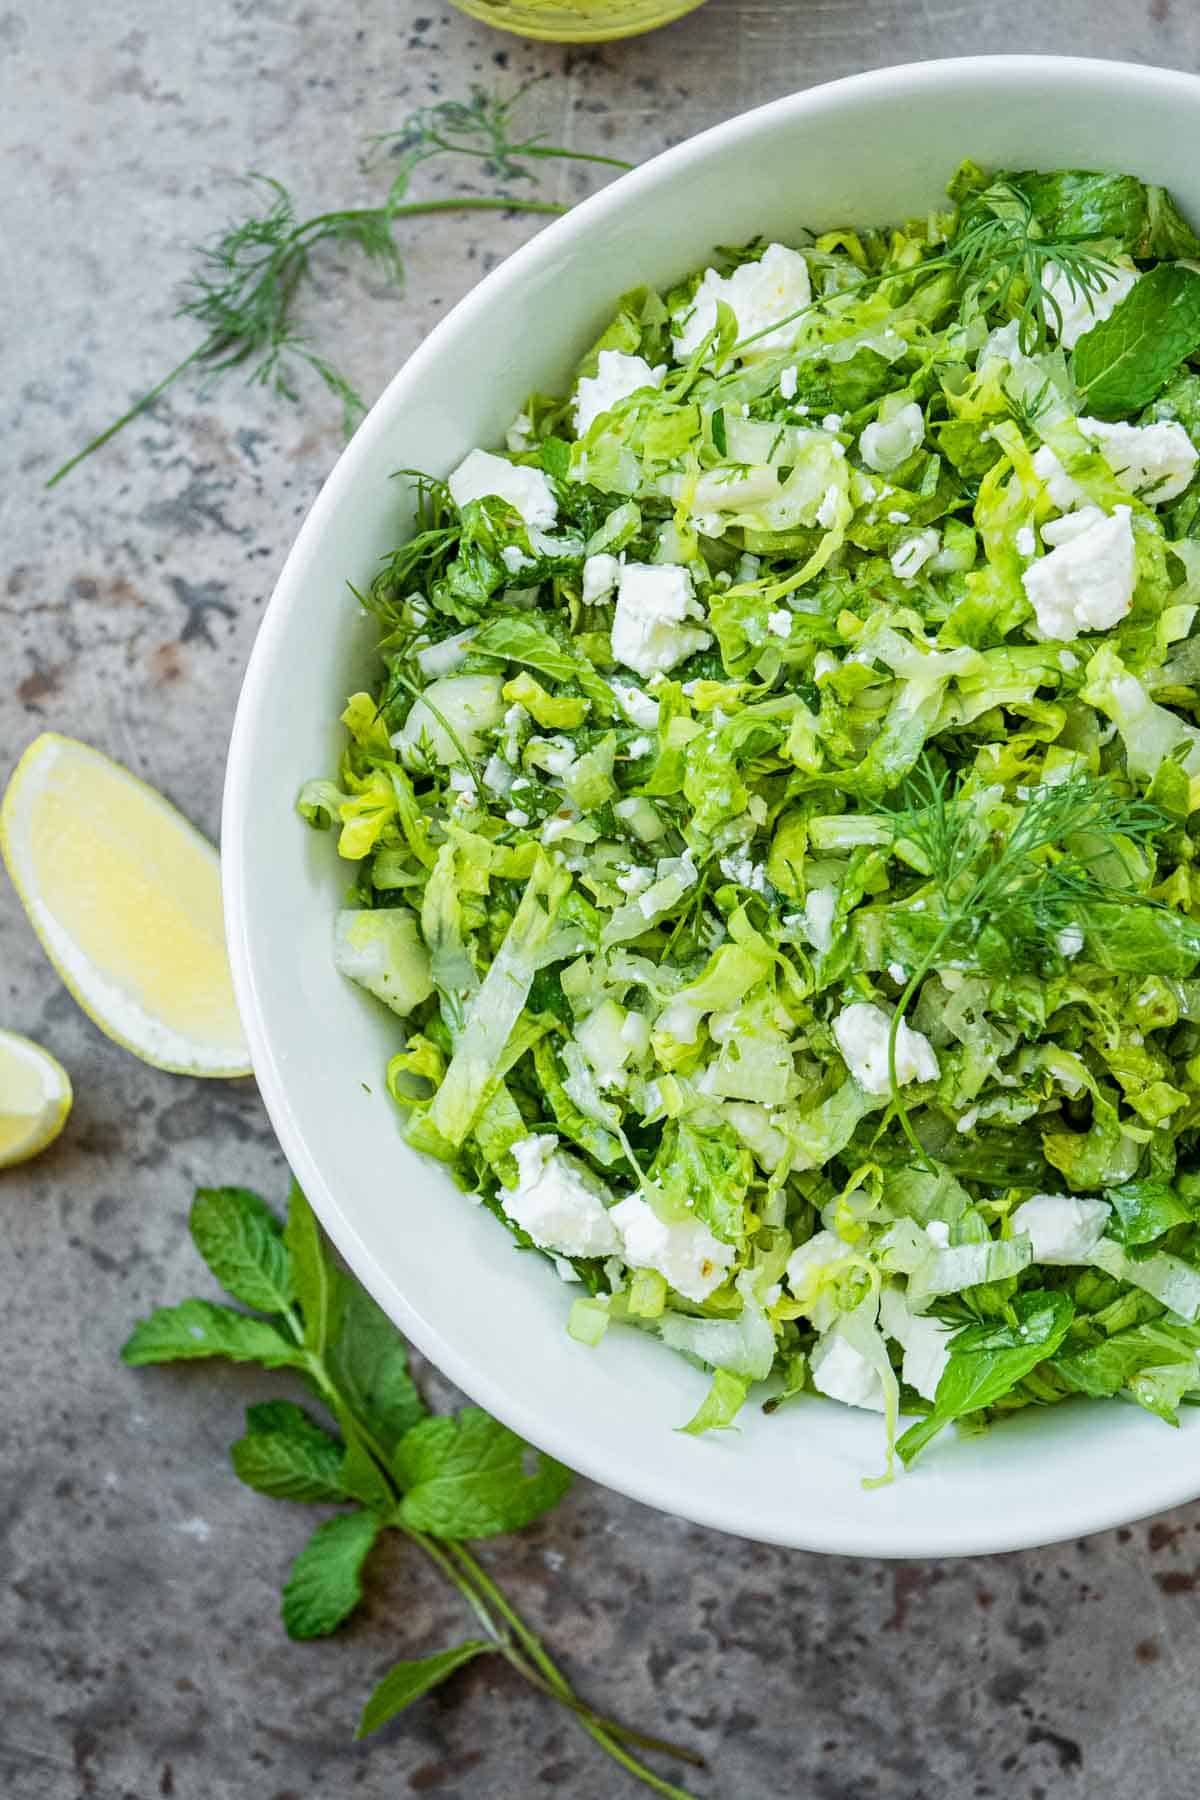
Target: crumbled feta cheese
[827, 512]
[862, 1031]
[641, 746]
[1026, 541]
[938, 1233]
[617, 376]
[787, 383]
[1156, 461]
[910, 557]
[967, 1121]
[684, 1252]
[824, 664]
[886, 443]
[780, 622]
[1062, 1229]
[899, 518]
[925, 1341]
[639, 708]
[898, 973]
[1072, 310]
[649, 633]
[748, 567]
[600, 576]
[519, 436]
[1087, 583]
[842, 1372]
[515, 559]
[1069, 940]
[742, 869]
[498, 777]
[481, 476]
[635, 881]
[820, 904]
[560, 826]
[558, 1201]
[1067, 660]
[831, 422]
[516, 817]
[760, 293]
[1064, 491]
[564, 1270]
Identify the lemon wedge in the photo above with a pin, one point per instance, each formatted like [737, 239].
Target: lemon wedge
[35, 1098]
[126, 898]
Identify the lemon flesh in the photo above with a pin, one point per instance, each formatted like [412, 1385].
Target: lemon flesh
[126, 898]
[35, 1098]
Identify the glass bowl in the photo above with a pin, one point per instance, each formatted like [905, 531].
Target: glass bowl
[584, 22]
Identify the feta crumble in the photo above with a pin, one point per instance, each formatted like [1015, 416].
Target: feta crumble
[650, 634]
[558, 1201]
[760, 294]
[861, 1031]
[601, 574]
[1062, 1230]
[1086, 583]
[1072, 310]
[684, 1252]
[617, 376]
[482, 476]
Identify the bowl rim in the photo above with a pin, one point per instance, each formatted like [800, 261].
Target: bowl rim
[1152, 1487]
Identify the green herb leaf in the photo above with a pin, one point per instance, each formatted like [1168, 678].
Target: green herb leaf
[469, 1476]
[368, 1363]
[1123, 362]
[407, 1681]
[364, 1479]
[241, 1240]
[312, 1274]
[987, 1360]
[325, 1584]
[520, 639]
[720, 1406]
[200, 1328]
[287, 1455]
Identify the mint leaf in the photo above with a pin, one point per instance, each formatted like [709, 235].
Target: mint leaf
[987, 1360]
[287, 1455]
[312, 1275]
[325, 1584]
[240, 1239]
[407, 1681]
[1123, 362]
[521, 639]
[363, 1478]
[197, 1328]
[469, 1476]
[368, 1363]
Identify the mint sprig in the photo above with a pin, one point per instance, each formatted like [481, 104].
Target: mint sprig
[389, 1464]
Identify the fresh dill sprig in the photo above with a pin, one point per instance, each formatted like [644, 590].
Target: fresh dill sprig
[1027, 885]
[1000, 259]
[243, 291]
[480, 126]
[1003, 259]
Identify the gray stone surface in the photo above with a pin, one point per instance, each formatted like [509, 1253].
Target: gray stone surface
[140, 1651]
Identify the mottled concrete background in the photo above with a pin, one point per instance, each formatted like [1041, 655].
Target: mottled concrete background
[140, 1652]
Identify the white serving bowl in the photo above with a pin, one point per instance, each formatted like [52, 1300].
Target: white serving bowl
[867, 150]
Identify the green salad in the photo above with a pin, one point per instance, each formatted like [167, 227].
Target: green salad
[777, 819]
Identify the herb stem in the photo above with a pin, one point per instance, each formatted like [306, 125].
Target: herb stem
[556, 1683]
[147, 399]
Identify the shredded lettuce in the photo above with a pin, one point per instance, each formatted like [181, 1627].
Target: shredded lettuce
[874, 762]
